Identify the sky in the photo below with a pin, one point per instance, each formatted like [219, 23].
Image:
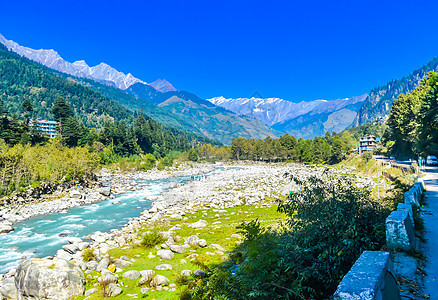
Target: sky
[295, 50]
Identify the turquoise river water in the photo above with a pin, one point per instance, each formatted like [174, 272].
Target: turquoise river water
[43, 235]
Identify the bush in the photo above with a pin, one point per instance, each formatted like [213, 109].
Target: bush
[87, 254]
[151, 239]
[330, 223]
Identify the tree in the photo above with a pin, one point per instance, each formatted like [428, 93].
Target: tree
[62, 111]
[28, 110]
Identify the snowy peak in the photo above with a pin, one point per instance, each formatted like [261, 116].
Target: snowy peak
[101, 73]
[162, 85]
[270, 110]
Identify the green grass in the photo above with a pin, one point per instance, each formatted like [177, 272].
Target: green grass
[218, 231]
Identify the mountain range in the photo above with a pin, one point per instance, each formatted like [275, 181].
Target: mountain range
[101, 73]
[223, 118]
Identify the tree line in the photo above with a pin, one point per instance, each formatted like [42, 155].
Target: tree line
[413, 120]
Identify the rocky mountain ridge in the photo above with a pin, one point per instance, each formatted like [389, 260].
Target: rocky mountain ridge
[103, 72]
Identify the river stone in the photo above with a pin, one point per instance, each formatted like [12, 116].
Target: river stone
[74, 240]
[132, 274]
[107, 277]
[5, 228]
[75, 194]
[159, 280]
[113, 290]
[202, 243]
[144, 290]
[90, 291]
[51, 279]
[147, 274]
[62, 254]
[105, 191]
[121, 263]
[216, 246]
[71, 248]
[163, 267]
[177, 249]
[165, 254]
[199, 273]
[192, 241]
[199, 224]
[8, 289]
[83, 245]
[103, 264]
[185, 273]
[92, 264]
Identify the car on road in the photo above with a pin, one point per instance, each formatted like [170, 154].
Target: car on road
[431, 160]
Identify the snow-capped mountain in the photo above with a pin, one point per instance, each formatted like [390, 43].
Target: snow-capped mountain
[270, 110]
[101, 73]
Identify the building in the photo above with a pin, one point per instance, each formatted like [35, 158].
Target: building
[367, 143]
[48, 128]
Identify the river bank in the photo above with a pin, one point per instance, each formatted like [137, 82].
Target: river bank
[108, 182]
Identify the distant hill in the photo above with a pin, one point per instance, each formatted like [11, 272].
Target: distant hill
[21, 78]
[379, 101]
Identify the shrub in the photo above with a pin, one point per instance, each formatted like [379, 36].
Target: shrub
[330, 223]
[151, 238]
[87, 254]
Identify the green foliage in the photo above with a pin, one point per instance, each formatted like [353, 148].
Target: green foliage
[330, 223]
[87, 254]
[151, 239]
[193, 154]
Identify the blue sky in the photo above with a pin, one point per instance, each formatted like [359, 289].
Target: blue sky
[296, 50]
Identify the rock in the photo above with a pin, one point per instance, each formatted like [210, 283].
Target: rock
[83, 245]
[112, 268]
[202, 243]
[183, 261]
[186, 273]
[165, 254]
[113, 290]
[92, 265]
[121, 263]
[199, 273]
[177, 249]
[71, 248]
[75, 194]
[105, 191]
[192, 241]
[216, 246]
[175, 217]
[159, 280]
[5, 228]
[199, 224]
[8, 289]
[106, 277]
[90, 291]
[103, 264]
[51, 279]
[236, 236]
[124, 257]
[131, 274]
[62, 254]
[144, 290]
[147, 273]
[163, 267]
[74, 240]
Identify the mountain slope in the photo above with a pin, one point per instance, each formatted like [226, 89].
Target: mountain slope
[335, 115]
[186, 111]
[379, 101]
[101, 73]
[270, 111]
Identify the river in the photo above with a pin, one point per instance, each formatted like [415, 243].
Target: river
[43, 235]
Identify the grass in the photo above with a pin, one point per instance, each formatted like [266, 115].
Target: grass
[221, 227]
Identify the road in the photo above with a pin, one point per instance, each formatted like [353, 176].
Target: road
[430, 217]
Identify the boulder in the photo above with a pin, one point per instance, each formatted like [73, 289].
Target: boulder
[192, 241]
[131, 274]
[6, 227]
[163, 267]
[199, 273]
[8, 289]
[75, 194]
[71, 248]
[202, 243]
[105, 191]
[103, 264]
[92, 264]
[177, 249]
[90, 291]
[121, 263]
[49, 279]
[62, 254]
[217, 247]
[113, 290]
[159, 280]
[199, 224]
[165, 254]
[106, 277]
[186, 273]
